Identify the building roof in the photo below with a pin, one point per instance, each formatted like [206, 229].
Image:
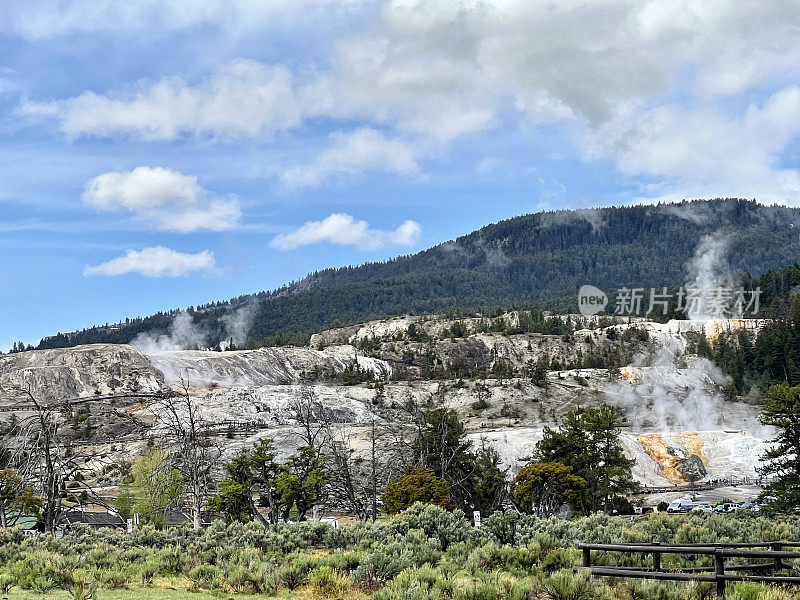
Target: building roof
[177, 516]
[93, 518]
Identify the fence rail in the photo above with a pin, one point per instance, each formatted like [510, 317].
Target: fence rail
[718, 573]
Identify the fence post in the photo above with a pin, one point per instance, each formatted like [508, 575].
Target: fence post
[777, 547]
[719, 569]
[657, 558]
[587, 557]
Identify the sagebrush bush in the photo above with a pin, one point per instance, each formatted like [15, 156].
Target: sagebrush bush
[325, 582]
[753, 591]
[6, 583]
[566, 585]
[203, 576]
[291, 577]
[115, 579]
[560, 558]
[425, 553]
[43, 585]
[477, 591]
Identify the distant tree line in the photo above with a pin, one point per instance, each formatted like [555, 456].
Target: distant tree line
[772, 357]
[537, 259]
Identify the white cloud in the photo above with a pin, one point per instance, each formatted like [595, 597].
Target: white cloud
[348, 154]
[38, 19]
[445, 69]
[164, 198]
[701, 153]
[156, 262]
[429, 72]
[344, 229]
[10, 86]
[244, 98]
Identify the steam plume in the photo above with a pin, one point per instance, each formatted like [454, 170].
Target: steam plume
[237, 323]
[183, 335]
[708, 271]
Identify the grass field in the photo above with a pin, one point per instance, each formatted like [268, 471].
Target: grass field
[424, 553]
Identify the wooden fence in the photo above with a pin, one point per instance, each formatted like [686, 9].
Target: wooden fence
[718, 573]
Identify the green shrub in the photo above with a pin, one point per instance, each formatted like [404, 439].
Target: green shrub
[657, 590]
[752, 591]
[241, 581]
[378, 567]
[521, 590]
[326, 582]
[290, 576]
[203, 576]
[115, 579]
[560, 558]
[43, 585]
[24, 574]
[477, 591]
[6, 583]
[408, 585]
[445, 588]
[171, 561]
[267, 585]
[566, 585]
[81, 585]
[147, 570]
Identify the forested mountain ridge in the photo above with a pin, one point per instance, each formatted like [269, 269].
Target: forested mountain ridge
[542, 258]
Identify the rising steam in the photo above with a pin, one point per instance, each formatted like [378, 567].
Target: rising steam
[237, 324]
[665, 389]
[708, 271]
[183, 335]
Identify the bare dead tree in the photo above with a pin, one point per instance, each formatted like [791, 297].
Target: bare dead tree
[357, 478]
[350, 483]
[310, 415]
[194, 451]
[382, 463]
[45, 457]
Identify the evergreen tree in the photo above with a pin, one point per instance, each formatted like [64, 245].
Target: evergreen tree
[491, 488]
[547, 260]
[301, 482]
[247, 475]
[234, 498]
[782, 460]
[587, 440]
[418, 484]
[442, 446]
[542, 488]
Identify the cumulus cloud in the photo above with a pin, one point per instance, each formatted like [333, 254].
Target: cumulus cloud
[38, 19]
[699, 152]
[156, 262]
[244, 98]
[446, 68]
[164, 198]
[362, 150]
[343, 229]
[430, 72]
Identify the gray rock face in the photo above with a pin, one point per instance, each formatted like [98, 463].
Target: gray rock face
[692, 468]
[265, 366]
[669, 393]
[83, 371]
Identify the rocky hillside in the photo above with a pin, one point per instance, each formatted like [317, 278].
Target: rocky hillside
[506, 388]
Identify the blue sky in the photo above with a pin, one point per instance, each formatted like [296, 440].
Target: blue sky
[160, 154]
